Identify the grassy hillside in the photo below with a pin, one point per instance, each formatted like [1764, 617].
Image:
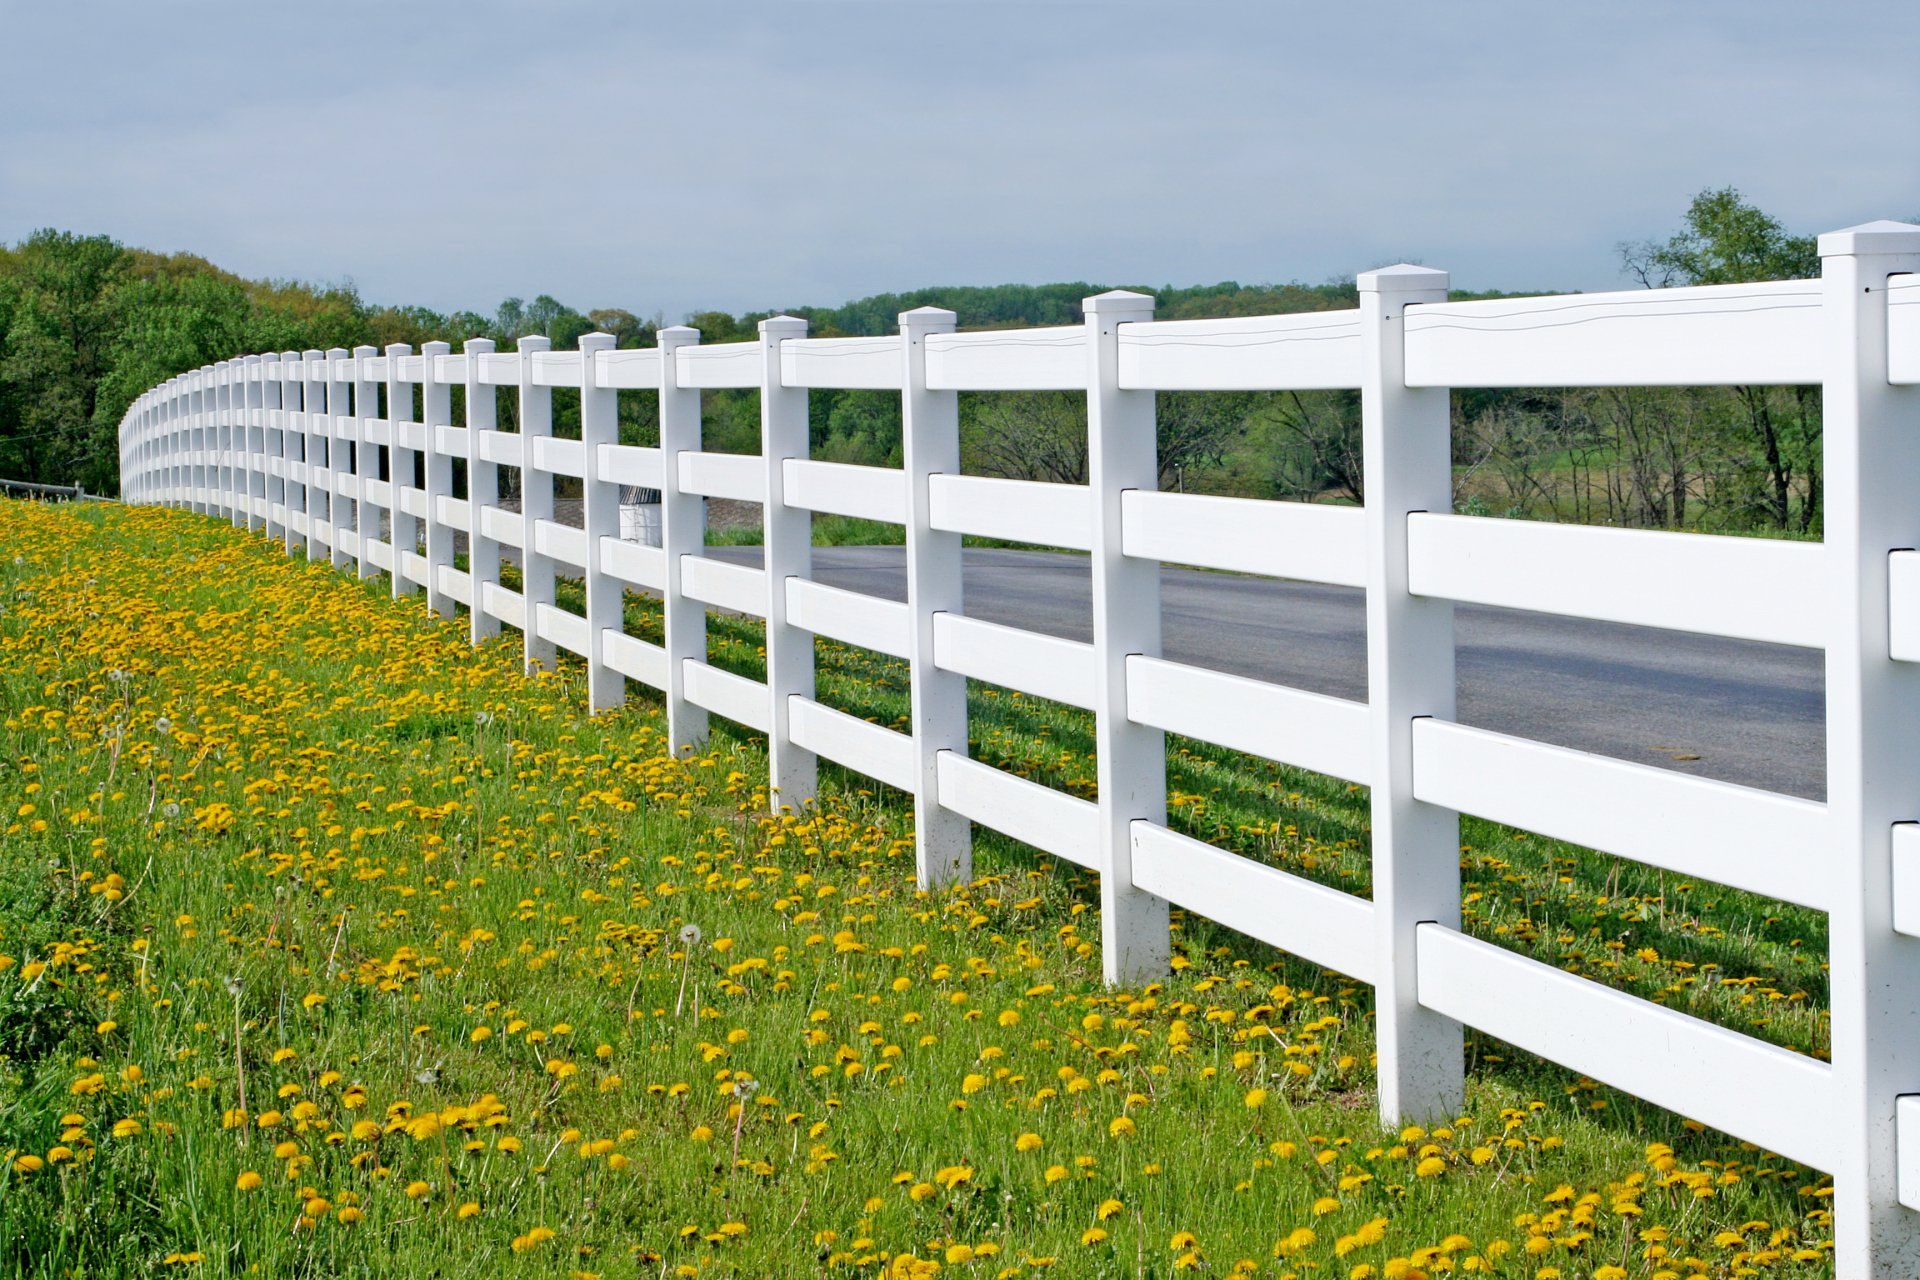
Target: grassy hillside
[331, 946]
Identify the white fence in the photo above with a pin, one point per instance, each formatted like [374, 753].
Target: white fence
[296, 445]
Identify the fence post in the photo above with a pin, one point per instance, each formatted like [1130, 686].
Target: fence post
[184, 433]
[293, 436]
[1408, 464]
[183, 440]
[536, 504]
[207, 502]
[232, 415]
[318, 451]
[599, 424]
[1872, 448]
[1130, 760]
[683, 532]
[210, 424]
[202, 440]
[339, 416]
[401, 468]
[436, 411]
[239, 431]
[300, 519]
[176, 414]
[210, 431]
[365, 410]
[483, 490]
[256, 421]
[787, 552]
[273, 448]
[194, 433]
[930, 445]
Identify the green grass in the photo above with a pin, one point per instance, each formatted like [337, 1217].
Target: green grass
[354, 842]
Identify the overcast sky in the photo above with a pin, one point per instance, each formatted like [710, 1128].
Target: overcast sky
[740, 155]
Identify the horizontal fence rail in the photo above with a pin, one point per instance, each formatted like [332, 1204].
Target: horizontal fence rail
[56, 492]
[355, 458]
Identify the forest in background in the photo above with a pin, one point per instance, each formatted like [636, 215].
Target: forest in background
[87, 324]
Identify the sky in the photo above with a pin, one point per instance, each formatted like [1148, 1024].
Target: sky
[675, 157]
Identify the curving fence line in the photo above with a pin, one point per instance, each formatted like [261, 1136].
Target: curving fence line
[351, 456]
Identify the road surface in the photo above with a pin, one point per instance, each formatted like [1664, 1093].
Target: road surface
[1727, 709]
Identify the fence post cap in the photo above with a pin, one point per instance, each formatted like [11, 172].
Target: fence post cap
[782, 326]
[676, 335]
[1402, 277]
[533, 342]
[928, 318]
[473, 346]
[435, 348]
[1117, 301]
[1882, 236]
[596, 341]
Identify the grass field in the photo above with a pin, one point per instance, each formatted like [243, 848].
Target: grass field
[331, 946]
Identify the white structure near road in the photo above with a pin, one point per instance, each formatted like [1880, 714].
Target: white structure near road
[318, 449]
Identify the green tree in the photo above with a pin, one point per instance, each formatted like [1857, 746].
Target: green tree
[60, 326]
[1724, 239]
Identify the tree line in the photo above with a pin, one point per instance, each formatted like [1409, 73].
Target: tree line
[87, 324]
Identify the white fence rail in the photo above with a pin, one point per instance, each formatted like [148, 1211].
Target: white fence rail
[349, 456]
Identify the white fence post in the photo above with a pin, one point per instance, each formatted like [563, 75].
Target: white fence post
[1872, 458]
[483, 490]
[599, 424]
[211, 423]
[233, 434]
[930, 445]
[319, 454]
[1408, 467]
[400, 470]
[210, 440]
[366, 514]
[206, 453]
[536, 504]
[273, 446]
[293, 451]
[211, 432]
[436, 411]
[1130, 760]
[339, 433]
[787, 552]
[194, 436]
[256, 447]
[683, 532]
[293, 447]
[176, 413]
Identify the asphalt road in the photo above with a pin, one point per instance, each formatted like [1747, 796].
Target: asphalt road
[1727, 709]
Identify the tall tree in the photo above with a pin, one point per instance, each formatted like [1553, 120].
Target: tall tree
[1724, 239]
[59, 335]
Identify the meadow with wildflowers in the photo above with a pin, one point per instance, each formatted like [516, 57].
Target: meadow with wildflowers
[331, 946]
